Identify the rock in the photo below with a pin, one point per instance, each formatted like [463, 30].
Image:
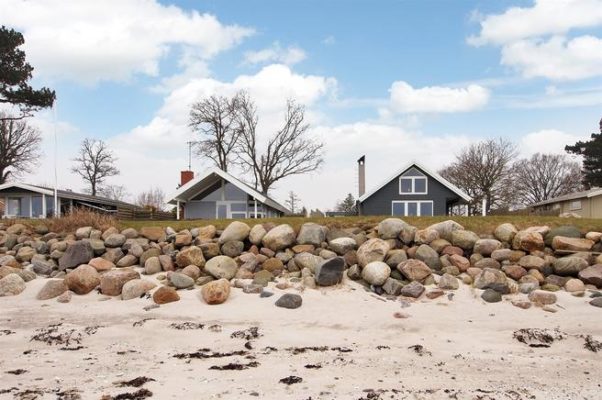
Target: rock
[542, 297]
[434, 293]
[235, 231]
[83, 279]
[569, 266]
[528, 240]
[192, 255]
[279, 238]
[372, 250]
[413, 289]
[595, 236]
[311, 233]
[308, 260]
[567, 231]
[597, 302]
[494, 279]
[514, 271]
[146, 254]
[354, 272]
[257, 233]
[446, 228]
[414, 270]
[532, 262]
[130, 233]
[127, 261]
[429, 256]
[216, 292]
[330, 272]
[232, 248]
[392, 287]
[252, 289]
[77, 253]
[135, 288]
[505, 232]
[65, 297]
[165, 294]
[394, 257]
[166, 263]
[152, 266]
[43, 267]
[183, 238]
[464, 239]
[574, 285]
[51, 289]
[290, 301]
[448, 282]
[272, 265]
[426, 236]
[491, 296]
[115, 240]
[460, 262]
[192, 271]
[153, 233]
[572, 244]
[11, 285]
[25, 253]
[486, 247]
[180, 281]
[376, 273]
[263, 277]
[111, 282]
[390, 228]
[83, 232]
[342, 245]
[524, 304]
[100, 264]
[592, 275]
[221, 267]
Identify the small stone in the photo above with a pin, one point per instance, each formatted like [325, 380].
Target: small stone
[221, 267]
[11, 285]
[273, 264]
[135, 288]
[263, 277]
[65, 297]
[448, 282]
[392, 287]
[216, 292]
[232, 248]
[434, 293]
[252, 288]
[491, 296]
[290, 301]
[152, 266]
[597, 302]
[592, 275]
[115, 240]
[542, 297]
[524, 304]
[192, 271]
[265, 293]
[165, 294]
[376, 273]
[413, 289]
[180, 281]
[574, 285]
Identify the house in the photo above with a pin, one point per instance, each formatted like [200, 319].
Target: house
[216, 194]
[22, 200]
[413, 190]
[586, 204]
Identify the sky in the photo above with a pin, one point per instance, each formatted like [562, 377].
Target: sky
[395, 81]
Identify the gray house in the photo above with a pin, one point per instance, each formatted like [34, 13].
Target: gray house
[411, 191]
[217, 194]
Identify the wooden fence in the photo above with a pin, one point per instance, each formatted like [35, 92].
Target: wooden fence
[131, 214]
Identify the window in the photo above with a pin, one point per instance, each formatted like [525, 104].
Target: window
[238, 215]
[412, 185]
[13, 207]
[412, 208]
[575, 205]
[36, 206]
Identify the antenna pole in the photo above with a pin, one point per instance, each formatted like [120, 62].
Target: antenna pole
[190, 143]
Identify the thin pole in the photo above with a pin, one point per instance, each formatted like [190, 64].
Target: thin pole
[56, 198]
[190, 155]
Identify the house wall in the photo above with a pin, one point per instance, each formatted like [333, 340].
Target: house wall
[30, 203]
[380, 203]
[590, 207]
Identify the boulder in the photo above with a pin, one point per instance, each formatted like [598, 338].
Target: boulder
[166, 262]
[571, 244]
[514, 271]
[446, 228]
[390, 228]
[135, 288]
[257, 233]
[528, 240]
[542, 297]
[183, 238]
[569, 266]
[180, 281]
[165, 294]
[459, 262]
[330, 272]
[372, 250]
[464, 239]
[376, 273]
[574, 285]
[486, 247]
[111, 282]
[492, 279]
[216, 292]
[392, 287]
[414, 270]
[429, 256]
[413, 289]
[51, 289]
[153, 233]
[127, 261]
[192, 271]
[505, 232]
[83, 279]
[206, 233]
[83, 232]
[130, 233]
[25, 253]
[426, 236]
[152, 266]
[491, 296]
[568, 231]
[394, 257]
[279, 238]
[272, 265]
[290, 301]
[101, 264]
[236, 230]
[221, 267]
[342, 245]
[448, 282]
[146, 254]
[532, 262]
[592, 275]
[311, 233]
[263, 277]
[115, 240]
[232, 248]
[43, 267]
[11, 285]
[192, 255]
[77, 253]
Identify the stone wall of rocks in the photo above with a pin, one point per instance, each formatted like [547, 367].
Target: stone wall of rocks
[390, 259]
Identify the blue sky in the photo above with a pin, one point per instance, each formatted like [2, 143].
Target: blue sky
[395, 80]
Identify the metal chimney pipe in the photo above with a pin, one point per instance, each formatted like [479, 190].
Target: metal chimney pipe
[361, 175]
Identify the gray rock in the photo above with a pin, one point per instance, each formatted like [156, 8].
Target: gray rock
[289, 300]
[491, 296]
[446, 228]
[98, 246]
[486, 246]
[448, 282]
[354, 273]
[76, 254]
[413, 289]
[115, 240]
[232, 248]
[180, 281]
[376, 273]
[394, 257]
[592, 275]
[135, 288]
[311, 233]
[464, 239]
[51, 289]
[372, 250]
[392, 287]
[221, 267]
[236, 230]
[11, 285]
[390, 228]
[127, 261]
[308, 260]
[257, 233]
[330, 272]
[429, 256]
[279, 238]
[569, 266]
[83, 232]
[492, 279]
[564, 230]
[505, 232]
[152, 266]
[43, 267]
[342, 245]
[597, 302]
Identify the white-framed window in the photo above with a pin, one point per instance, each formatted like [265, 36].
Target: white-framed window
[238, 215]
[422, 208]
[413, 185]
[575, 205]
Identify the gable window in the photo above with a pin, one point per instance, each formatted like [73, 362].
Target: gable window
[412, 208]
[575, 205]
[412, 185]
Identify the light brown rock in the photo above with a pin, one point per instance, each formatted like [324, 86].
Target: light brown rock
[111, 282]
[216, 292]
[83, 279]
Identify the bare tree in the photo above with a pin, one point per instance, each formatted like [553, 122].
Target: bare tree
[215, 118]
[288, 152]
[152, 199]
[114, 192]
[545, 176]
[19, 147]
[292, 202]
[483, 171]
[94, 163]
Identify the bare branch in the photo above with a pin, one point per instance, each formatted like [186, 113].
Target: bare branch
[19, 147]
[94, 163]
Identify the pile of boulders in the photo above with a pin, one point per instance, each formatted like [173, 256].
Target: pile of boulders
[391, 259]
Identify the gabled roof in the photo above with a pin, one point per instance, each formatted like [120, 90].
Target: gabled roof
[432, 174]
[66, 194]
[190, 189]
[571, 196]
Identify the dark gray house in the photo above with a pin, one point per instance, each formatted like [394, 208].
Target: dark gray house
[411, 191]
[217, 194]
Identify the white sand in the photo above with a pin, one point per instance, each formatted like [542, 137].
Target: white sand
[473, 352]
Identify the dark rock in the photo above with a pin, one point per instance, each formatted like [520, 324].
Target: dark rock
[330, 272]
[289, 300]
[413, 289]
[491, 296]
[77, 253]
[597, 302]
[564, 230]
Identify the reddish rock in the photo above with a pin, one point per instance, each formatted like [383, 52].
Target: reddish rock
[83, 279]
[460, 262]
[165, 294]
[100, 264]
[514, 271]
[572, 244]
[451, 250]
[153, 233]
[528, 240]
[52, 288]
[112, 282]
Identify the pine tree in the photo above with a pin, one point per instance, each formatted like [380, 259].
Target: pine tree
[591, 151]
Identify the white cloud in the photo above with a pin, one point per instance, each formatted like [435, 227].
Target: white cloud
[546, 17]
[329, 40]
[276, 54]
[556, 58]
[436, 99]
[113, 40]
[547, 141]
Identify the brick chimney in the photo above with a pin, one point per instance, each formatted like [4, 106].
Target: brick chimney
[361, 175]
[185, 177]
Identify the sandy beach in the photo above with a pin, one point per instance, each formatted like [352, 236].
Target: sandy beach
[344, 343]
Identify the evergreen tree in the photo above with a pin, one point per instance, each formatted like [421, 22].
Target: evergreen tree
[591, 151]
[347, 205]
